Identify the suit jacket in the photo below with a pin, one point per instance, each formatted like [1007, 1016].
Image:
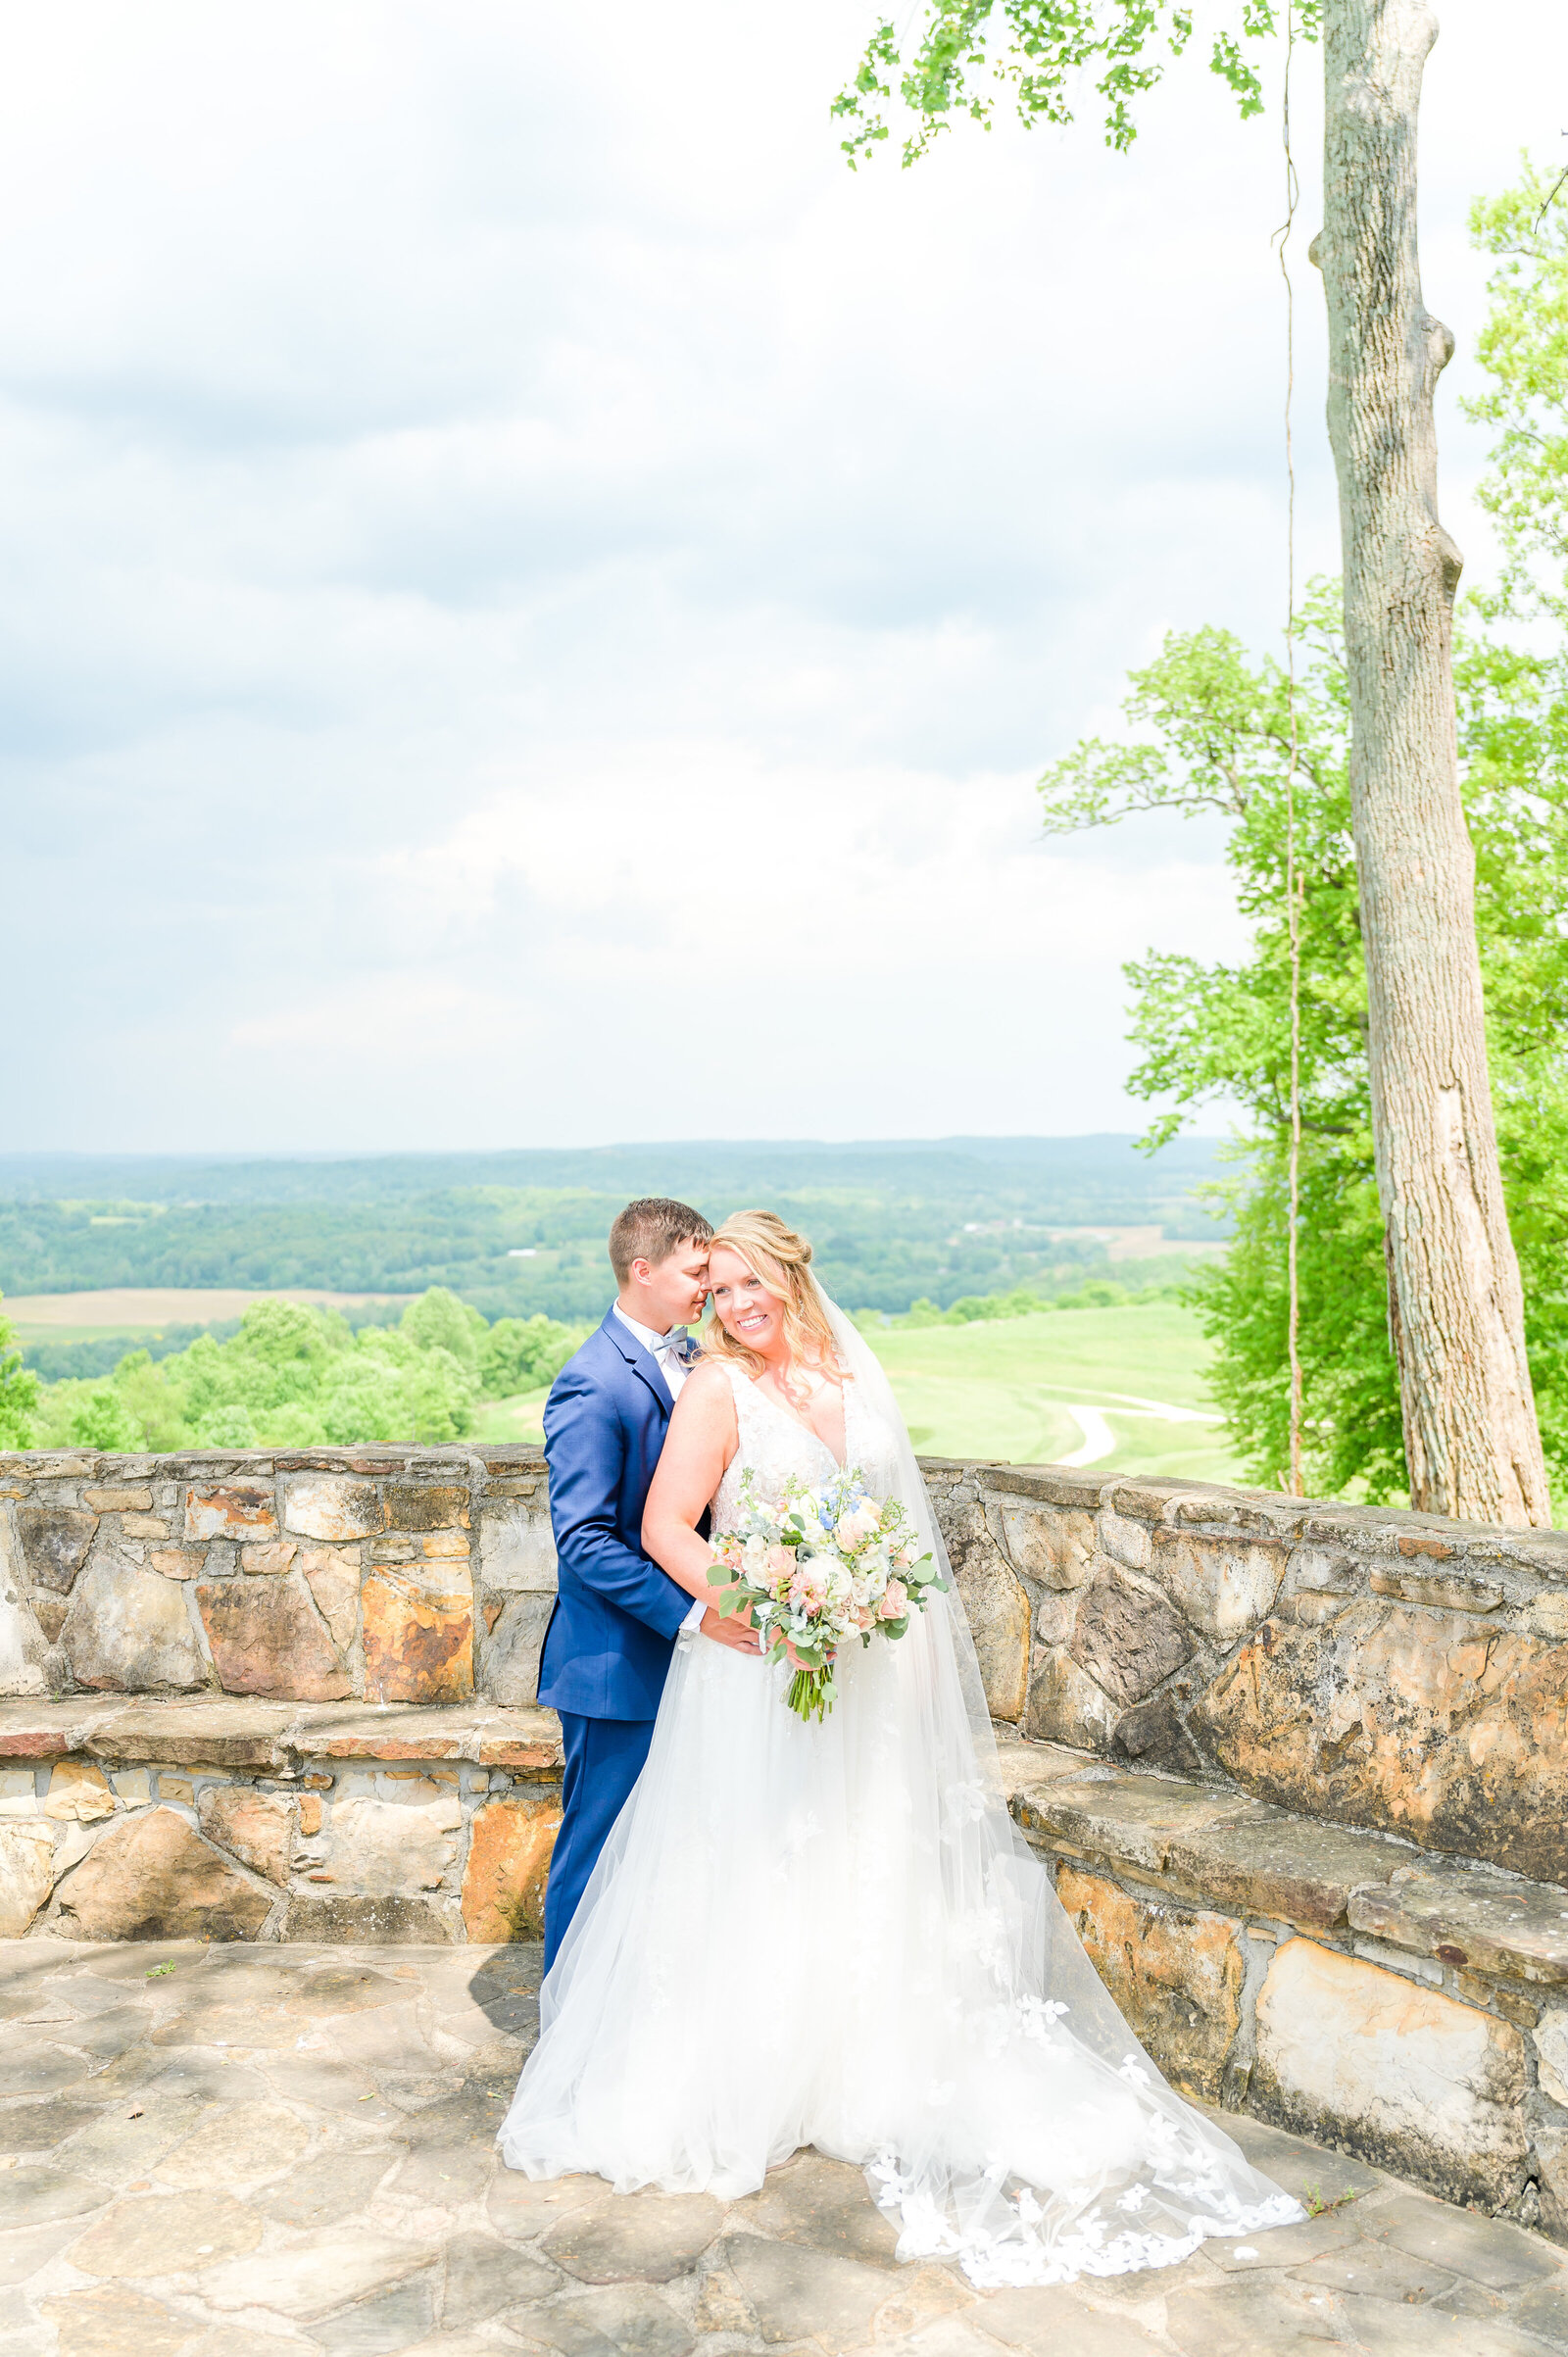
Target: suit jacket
[606, 1650]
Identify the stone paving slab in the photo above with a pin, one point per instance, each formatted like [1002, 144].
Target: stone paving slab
[241, 2153]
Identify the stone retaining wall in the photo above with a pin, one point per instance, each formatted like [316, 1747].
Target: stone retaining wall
[1377, 1668]
[1374, 1667]
[380, 1575]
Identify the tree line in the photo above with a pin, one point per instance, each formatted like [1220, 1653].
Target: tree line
[291, 1377]
[288, 1376]
[880, 1248]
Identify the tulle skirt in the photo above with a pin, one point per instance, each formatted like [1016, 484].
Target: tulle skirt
[832, 1936]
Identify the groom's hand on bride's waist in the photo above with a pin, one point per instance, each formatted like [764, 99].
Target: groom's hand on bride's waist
[730, 1630]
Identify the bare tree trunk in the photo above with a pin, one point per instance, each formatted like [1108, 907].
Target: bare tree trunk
[1456, 1310]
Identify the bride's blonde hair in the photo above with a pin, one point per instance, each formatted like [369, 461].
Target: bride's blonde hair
[781, 1260]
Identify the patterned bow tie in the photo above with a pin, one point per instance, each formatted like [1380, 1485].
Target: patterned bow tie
[680, 1345]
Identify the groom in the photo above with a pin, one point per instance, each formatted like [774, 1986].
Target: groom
[610, 1637]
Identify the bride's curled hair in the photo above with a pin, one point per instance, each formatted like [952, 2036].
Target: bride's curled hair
[781, 1260]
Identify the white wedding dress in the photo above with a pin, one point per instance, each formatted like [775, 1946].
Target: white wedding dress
[832, 1936]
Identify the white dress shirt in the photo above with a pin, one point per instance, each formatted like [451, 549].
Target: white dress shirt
[670, 1366]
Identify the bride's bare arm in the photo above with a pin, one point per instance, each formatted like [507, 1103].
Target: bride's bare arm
[701, 1439]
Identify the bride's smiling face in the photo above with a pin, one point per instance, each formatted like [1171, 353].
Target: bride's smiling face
[743, 1304]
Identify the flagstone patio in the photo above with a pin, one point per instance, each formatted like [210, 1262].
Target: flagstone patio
[243, 2151]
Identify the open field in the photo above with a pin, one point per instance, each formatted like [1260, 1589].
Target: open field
[1015, 1390]
[1012, 1389]
[1138, 1244]
[516, 1419]
[133, 1309]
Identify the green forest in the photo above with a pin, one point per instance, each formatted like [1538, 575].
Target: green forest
[288, 1376]
[520, 1235]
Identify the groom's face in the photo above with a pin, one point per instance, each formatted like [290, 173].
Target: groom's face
[673, 1288]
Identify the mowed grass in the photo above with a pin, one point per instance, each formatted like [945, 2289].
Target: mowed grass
[520, 1418]
[1007, 1389]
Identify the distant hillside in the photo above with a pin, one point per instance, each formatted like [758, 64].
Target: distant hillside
[524, 1231]
[1097, 1178]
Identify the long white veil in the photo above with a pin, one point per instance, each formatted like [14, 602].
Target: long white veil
[1019, 2198]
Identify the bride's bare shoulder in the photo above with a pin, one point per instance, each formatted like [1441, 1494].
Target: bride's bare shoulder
[708, 1391]
[704, 1429]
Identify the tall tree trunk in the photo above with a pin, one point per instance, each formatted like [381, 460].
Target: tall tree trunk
[1456, 1310]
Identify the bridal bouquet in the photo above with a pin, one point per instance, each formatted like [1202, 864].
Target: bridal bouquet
[818, 1567]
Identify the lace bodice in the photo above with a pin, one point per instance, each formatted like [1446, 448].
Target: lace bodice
[775, 1445]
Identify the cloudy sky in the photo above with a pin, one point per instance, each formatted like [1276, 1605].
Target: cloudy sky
[535, 600]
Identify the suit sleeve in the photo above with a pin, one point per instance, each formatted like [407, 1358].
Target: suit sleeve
[586, 1451]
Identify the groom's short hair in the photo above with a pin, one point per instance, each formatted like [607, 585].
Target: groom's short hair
[651, 1229]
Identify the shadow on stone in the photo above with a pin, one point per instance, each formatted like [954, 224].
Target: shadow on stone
[620, 2320]
[1483, 2248]
[646, 2237]
[801, 2293]
[389, 2321]
[506, 1989]
[39, 2127]
[1053, 2323]
[1244, 2319]
[115, 2322]
[824, 2203]
[484, 2274]
[33, 2195]
[332, 2187]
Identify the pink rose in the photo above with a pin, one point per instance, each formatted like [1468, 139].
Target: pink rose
[854, 1529]
[895, 1601]
[780, 1562]
[808, 1590]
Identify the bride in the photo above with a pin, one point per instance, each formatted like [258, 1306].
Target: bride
[831, 1933]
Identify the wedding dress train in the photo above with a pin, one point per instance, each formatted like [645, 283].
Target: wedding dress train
[833, 1936]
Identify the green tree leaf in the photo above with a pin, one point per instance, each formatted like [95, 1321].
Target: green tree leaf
[1212, 733]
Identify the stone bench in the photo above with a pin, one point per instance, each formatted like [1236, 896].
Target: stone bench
[124, 1817]
[1337, 1981]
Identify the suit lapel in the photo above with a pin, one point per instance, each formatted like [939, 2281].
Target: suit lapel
[641, 1362]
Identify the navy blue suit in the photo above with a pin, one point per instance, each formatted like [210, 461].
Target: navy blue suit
[606, 1650]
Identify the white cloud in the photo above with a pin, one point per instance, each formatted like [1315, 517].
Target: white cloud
[493, 505]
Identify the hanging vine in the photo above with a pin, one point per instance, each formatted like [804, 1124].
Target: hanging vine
[1293, 880]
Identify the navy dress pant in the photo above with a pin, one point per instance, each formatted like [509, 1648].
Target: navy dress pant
[604, 1760]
